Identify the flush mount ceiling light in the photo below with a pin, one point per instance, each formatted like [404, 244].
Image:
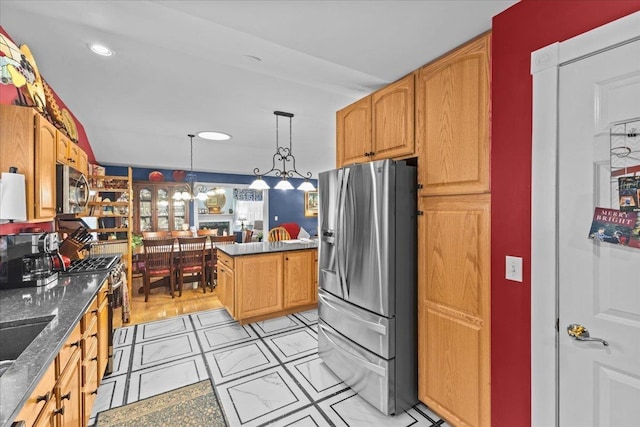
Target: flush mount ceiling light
[214, 135]
[191, 177]
[100, 49]
[283, 155]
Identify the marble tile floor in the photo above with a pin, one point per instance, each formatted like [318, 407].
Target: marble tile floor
[266, 373]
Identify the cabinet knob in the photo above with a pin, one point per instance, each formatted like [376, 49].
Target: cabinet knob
[94, 335]
[75, 344]
[66, 396]
[59, 411]
[44, 398]
[94, 359]
[95, 312]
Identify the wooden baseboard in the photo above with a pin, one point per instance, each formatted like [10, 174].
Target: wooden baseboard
[277, 314]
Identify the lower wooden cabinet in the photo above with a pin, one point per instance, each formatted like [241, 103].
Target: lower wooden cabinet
[69, 394]
[66, 392]
[267, 285]
[454, 291]
[299, 276]
[259, 284]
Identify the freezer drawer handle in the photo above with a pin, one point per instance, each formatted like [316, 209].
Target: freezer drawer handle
[371, 366]
[371, 325]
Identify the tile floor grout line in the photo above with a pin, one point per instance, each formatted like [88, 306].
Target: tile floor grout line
[129, 368]
[208, 369]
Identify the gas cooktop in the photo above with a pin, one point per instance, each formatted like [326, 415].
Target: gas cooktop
[90, 265]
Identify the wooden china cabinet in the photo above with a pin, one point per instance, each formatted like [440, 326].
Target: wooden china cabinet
[156, 210]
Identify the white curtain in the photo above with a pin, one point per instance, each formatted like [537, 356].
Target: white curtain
[251, 210]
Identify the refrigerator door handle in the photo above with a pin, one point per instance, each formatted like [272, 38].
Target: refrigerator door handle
[371, 366]
[370, 325]
[340, 241]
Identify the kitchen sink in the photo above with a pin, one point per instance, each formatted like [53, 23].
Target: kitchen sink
[16, 336]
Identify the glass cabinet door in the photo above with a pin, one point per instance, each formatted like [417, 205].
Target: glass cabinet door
[179, 214]
[162, 209]
[145, 209]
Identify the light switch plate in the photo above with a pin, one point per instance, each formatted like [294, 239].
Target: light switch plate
[514, 268]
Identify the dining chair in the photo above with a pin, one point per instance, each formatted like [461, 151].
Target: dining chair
[215, 242]
[246, 236]
[158, 262]
[155, 234]
[210, 258]
[278, 233]
[182, 233]
[191, 259]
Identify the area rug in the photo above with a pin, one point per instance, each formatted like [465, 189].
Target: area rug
[193, 405]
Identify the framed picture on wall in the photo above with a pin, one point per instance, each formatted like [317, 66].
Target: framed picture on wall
[311, 203]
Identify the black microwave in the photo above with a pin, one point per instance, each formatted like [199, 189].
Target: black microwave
[72, 190]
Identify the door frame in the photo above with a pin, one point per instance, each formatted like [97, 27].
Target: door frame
[545, 65]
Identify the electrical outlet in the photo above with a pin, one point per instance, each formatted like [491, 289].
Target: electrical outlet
[275, 218]
[514, 268]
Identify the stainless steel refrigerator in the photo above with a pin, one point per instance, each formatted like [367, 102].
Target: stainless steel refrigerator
[367, 305]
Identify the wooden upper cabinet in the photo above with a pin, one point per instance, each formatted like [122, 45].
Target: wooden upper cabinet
[353, 133]
[63, 144]
[452, 121]
[28, 142]
[45, 172]
[83, 162]
[393, 120]
[380, 126]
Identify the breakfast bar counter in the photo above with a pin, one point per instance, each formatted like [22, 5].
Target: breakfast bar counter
[258, 281]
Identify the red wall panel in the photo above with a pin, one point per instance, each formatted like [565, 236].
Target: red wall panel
[521, 29]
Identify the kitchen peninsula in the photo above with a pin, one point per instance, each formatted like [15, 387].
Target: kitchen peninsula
[258, 281]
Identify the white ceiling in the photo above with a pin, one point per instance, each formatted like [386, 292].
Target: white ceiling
[181, 67]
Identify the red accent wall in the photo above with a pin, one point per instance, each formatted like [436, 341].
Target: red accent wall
[521, 29]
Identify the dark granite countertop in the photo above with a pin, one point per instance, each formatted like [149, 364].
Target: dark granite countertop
[64, 303]
[267, 247]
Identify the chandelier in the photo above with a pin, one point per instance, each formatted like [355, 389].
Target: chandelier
[283, 155]
[191, 177]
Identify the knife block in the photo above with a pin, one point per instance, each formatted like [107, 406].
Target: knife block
[72, 248]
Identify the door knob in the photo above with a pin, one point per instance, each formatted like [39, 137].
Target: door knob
[580, 333]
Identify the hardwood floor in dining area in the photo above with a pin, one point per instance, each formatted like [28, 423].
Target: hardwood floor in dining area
[162, 306]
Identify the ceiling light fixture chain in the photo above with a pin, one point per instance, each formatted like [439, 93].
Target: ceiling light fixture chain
[282, 156]
[191, 178]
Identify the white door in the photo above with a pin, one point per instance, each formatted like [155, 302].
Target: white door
[598, 283]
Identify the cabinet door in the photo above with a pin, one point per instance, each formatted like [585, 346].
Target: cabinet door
[454, 321]
[103, 338]
[180, 214]
[42, 394]
[298, 278]
[45, 169]
[62, 148]
[353, 133]
[162, 208]
[392, 120]
[315, 276]
[452, 121]
[259, 284]
[144, 208]
[17, 147]
[74, 155]
[83, 162]
[69, 393]
[48, 417]
[225, 288]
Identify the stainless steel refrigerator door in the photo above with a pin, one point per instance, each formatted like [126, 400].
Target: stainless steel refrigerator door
[329, 184]
[371, 331]
[371, 376]
[366, 236]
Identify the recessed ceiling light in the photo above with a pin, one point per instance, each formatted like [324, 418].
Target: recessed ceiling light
[100, 50]
[215, 136]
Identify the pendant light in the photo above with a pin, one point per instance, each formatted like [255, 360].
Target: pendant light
[191, 177]
[282, 156]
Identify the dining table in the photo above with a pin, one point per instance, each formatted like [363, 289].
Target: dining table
[138, 262]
